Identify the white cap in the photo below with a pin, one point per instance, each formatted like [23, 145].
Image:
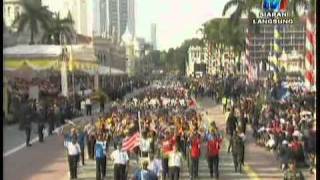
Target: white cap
[284, 142]
[282, 121]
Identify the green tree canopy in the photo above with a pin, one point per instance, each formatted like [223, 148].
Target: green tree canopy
[33, 15]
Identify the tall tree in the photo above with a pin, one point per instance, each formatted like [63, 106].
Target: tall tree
[33, 15]
[236, 40]
[58, 27]
[243, 7]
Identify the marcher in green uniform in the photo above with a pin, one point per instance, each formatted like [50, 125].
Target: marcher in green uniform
[237, 146]
[293, 173]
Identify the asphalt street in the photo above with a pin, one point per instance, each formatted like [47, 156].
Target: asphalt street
[49, 161]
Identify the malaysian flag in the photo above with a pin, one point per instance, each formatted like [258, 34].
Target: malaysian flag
[192, 103]
[130, 143]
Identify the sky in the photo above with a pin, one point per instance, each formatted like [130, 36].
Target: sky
[176, 20]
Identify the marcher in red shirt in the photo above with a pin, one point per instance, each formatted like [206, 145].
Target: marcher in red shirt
[195, 154]
[296, 148]
[166, 149]
[213, 148]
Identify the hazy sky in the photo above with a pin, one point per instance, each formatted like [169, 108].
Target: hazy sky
[176, 20]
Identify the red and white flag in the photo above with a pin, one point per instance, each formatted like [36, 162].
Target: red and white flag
[192, 103]
[130, 143]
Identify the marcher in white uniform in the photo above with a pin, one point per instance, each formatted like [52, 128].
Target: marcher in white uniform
[120, 161]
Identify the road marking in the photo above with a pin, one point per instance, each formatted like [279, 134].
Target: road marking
[250, 172]
[21, 146]
[57, 130]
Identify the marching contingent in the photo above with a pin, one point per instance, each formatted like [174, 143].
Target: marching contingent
[162, 130]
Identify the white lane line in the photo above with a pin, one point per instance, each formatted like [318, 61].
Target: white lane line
[21, 146]
[57, 130]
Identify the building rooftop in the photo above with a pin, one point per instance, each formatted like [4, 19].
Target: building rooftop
[32, 51]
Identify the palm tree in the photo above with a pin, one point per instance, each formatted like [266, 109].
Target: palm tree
[57, 28]
[243, 7]
[236, 40]
[216, 35]
[33, 15]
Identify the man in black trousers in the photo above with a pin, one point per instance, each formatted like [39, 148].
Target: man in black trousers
[73, 154]
[41, 119]
[51, 120]
[231, 126]
[26, 115]
[237, 146]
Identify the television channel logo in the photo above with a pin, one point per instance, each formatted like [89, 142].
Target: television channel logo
[275, 5]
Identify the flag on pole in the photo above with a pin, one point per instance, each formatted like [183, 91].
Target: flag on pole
[70, 64]
[130, 143]
[274, 60]
[277, 35]
[276, 47]
[192, 103]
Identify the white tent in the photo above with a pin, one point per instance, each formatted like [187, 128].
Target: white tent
[105, 70]
[33, 51]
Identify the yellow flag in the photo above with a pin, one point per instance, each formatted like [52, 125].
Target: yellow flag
[276, 47]
[70, 60]
[275, 78]
[274, 60]
[277, 35]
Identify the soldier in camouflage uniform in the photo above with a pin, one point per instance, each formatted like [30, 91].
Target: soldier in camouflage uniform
[292, 173]
[237, 147]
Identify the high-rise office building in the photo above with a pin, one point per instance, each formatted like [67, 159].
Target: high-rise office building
[96, 17]
[123, 17]
[113, 17]
[103, 17]
[120, 15]
[131, 17]
[154, 36]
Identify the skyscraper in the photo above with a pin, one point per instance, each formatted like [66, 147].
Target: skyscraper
[103, 17]
[154, 36]
[112, 17]
[120, 15]
[131, 17]
[96, 17]
[123, 16]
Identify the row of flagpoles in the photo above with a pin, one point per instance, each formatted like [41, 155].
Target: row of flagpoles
[309, 58]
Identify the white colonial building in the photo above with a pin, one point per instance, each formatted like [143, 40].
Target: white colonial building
[199, 62]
